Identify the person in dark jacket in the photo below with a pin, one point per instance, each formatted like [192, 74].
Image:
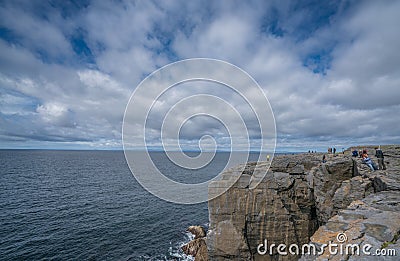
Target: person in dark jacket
[380, 157]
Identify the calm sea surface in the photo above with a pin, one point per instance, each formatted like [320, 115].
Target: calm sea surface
[86, 205]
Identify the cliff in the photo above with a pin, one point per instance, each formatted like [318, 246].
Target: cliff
[302, 200]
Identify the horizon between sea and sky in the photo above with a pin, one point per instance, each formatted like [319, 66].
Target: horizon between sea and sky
[330, 71]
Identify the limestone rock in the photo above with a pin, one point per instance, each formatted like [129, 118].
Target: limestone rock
[198, 246]
[197, 231]
[301, 200]
[280, 208]
[351, 190]
[332, 184]
[374, 220]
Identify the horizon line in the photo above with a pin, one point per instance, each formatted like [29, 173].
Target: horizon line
[151, 150]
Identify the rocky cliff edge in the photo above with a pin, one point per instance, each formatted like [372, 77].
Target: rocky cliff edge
[304, 201]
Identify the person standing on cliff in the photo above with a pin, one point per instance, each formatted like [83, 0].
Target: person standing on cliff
[379, 155]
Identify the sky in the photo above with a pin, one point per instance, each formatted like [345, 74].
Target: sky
[330, 69]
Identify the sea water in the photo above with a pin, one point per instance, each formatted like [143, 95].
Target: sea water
[87, 205]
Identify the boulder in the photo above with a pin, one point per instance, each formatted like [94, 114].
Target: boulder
[197, 247]
[197, 231]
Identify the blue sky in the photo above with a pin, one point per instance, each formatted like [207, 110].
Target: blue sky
[330, 69]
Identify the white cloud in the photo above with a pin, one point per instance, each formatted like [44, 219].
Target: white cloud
[38, 34]
[355, 100]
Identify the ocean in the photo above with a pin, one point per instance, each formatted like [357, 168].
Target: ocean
[86, 205]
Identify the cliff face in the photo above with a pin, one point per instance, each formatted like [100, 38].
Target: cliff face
[299, 199]
[280, 209]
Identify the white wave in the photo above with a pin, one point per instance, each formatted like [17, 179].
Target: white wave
[175, 252]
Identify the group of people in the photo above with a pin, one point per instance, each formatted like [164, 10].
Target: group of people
[331, 150]
[368, 161]
[365, 158]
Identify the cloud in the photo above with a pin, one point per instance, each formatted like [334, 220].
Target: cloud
[40, 35]
[331, 70]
